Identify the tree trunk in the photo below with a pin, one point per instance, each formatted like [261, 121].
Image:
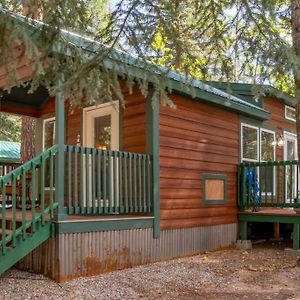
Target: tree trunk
[178, 58]
[27, 139]
[295, 8]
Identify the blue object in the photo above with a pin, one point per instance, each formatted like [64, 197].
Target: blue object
[9, 151]
[253, 185]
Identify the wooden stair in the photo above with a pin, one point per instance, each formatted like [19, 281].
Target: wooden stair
[19, 242]
[21, 230]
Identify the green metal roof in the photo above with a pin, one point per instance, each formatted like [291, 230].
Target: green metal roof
[138, 68]
[251, 91]
[9, 151]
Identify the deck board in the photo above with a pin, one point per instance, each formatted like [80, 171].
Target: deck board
[272, 212]
[79, 218]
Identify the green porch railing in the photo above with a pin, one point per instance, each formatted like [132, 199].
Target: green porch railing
[25, 188]
[102, 182]
[269, 184]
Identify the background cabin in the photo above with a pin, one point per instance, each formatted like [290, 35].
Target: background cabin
[9, 156]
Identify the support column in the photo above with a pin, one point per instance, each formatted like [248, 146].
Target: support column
[152, 136]
[243, 244]
[60, 159]
[243, 230]
[296, 237]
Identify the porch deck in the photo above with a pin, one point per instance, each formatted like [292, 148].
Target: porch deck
[81, 223]
[76, 218]
[272, 211]
[105, 190]
[269, 192]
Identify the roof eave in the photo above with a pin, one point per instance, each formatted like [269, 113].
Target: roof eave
[252, 112]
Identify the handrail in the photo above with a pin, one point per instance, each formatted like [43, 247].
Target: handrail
[28, 165]
[269, 184]
[24, 187]
[107, 182]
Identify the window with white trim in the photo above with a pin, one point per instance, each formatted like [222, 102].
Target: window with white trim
[48, 142]
[48, 133]
[250, 144]
[258, 144]
[290, 113]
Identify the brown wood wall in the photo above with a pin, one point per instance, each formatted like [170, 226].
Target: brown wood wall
[196, 138]
[134, 123]
[278, 121]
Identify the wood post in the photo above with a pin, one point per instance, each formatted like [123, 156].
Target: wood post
[243, 230]
[60, 140]
[152, 136]
[296, 236]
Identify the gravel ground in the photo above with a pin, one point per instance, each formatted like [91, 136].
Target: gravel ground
[265, 272]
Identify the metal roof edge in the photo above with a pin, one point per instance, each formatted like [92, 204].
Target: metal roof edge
[247, 89]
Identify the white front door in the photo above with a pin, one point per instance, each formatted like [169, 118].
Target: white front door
[290, 153]
[101, 127]
[101, 131]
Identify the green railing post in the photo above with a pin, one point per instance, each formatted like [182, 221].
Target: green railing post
[60, 157]
[152, 135]
[121, 182]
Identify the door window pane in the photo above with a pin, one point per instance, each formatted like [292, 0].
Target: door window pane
[267, 146]
[102, 137]
[249, 137]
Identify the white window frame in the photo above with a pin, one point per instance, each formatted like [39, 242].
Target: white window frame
[290, 135]
[43, 134]
[259, 130]
[286, 136]
[274, 146]
[286, 107]
[242, 143]
[47, 188]
[274, 155]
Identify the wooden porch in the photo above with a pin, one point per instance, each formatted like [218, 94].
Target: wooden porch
[269, 192]
[105, 190]
[69, 188]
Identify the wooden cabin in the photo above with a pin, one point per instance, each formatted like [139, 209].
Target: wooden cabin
[112, 188]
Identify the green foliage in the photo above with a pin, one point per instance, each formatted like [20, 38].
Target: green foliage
[229, 40]
[245, 40]
[10, 128]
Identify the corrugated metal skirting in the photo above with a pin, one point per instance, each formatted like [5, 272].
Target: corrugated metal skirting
[84, 254]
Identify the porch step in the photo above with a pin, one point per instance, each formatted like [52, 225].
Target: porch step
[18, 247]
[25, 230]
[10, 255]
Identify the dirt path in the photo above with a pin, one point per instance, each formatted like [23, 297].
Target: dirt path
[265, 272]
